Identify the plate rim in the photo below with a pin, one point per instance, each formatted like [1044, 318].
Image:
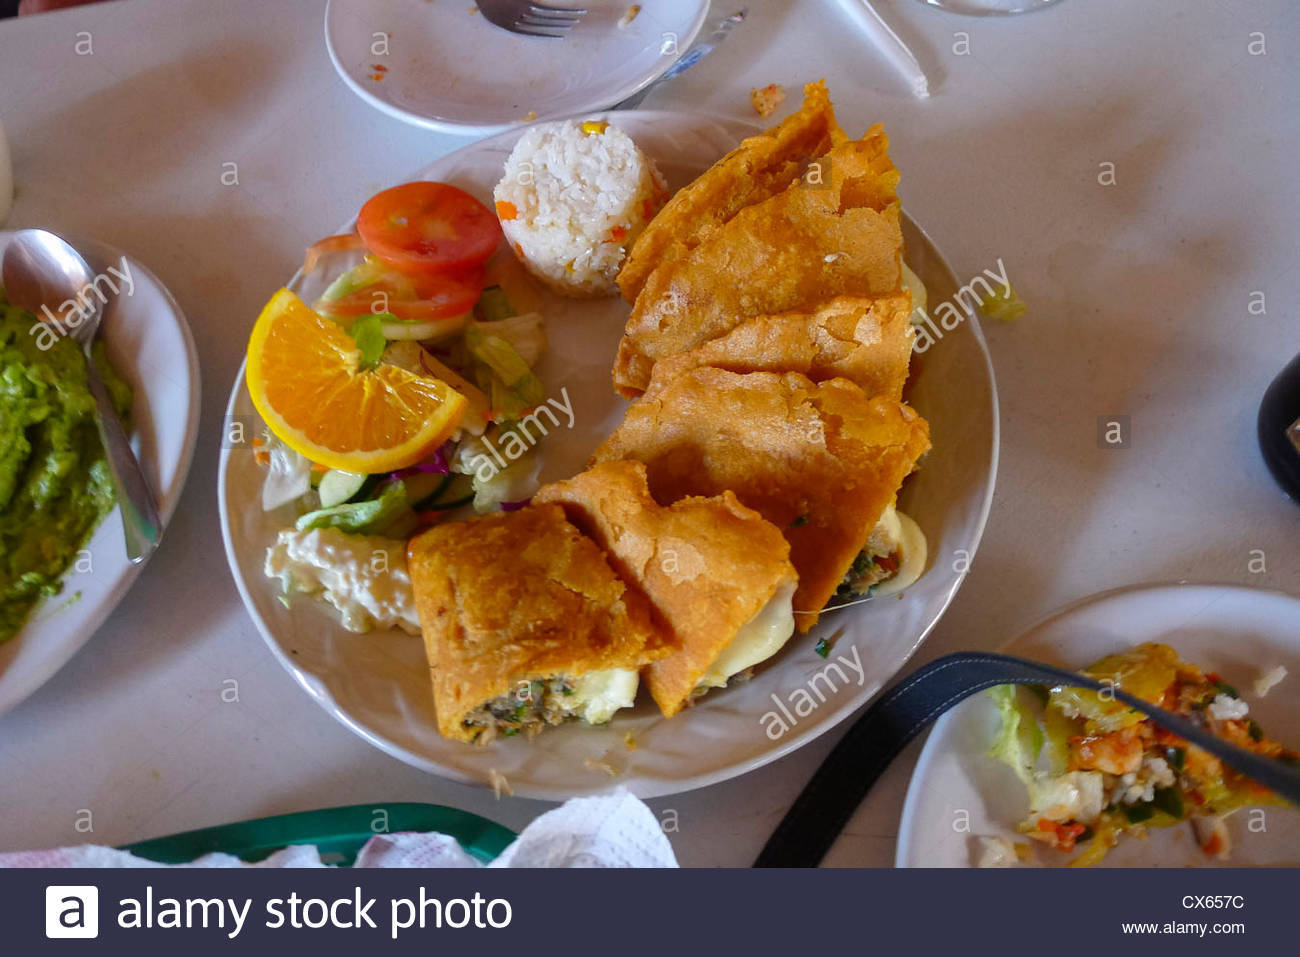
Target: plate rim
[189, 443]
[928, 755]
[646, 787]
[443, 125]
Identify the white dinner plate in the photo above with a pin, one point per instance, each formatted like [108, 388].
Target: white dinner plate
[959, 793]
[444, 66]
[150, 346]
[377, 684]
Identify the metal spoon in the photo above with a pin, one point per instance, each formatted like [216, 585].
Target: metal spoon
[41, 270]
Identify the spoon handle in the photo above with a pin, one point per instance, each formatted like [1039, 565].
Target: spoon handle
[139, 513]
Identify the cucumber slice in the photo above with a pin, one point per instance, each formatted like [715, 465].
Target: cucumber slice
[397, 330]
[337, 486]
[421, 485]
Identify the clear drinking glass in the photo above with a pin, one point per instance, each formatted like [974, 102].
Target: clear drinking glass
[989, 8]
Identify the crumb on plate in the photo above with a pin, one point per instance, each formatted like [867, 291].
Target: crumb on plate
[592, 764]
[1268, 679]
[1212, 835]
[629, 15]
[499, 784]
[766, 99]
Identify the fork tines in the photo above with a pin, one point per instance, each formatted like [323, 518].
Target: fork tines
[543, 21]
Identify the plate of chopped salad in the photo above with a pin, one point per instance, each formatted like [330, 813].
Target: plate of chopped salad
[1049, 777]
[383, 384]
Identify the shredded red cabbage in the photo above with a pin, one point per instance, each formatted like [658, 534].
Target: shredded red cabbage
[516, 506]
[437, 465]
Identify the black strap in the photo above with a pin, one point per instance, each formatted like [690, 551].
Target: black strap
[818, 815]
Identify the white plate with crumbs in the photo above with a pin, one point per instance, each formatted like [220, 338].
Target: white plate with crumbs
[149, 344]
[959, 794]
[445, 67]
[377, 684]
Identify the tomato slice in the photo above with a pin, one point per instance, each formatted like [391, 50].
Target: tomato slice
[428, 228]
[412, 297]
[330, 244]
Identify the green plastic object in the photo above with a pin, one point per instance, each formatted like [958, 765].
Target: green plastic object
[338, 833]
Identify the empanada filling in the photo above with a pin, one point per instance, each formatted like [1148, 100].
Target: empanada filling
[893, 559]
[533, 705]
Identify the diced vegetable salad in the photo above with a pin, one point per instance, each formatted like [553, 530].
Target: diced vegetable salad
[1095, 768]
[417, 300]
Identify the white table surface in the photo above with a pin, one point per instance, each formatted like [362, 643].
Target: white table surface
[1138, 296]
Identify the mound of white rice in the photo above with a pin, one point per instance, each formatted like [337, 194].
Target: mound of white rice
[573, 198]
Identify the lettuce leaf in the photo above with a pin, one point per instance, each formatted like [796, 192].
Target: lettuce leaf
[368, 332]
[513, 386]
[1058, 795]
[1057, 728]
[1020, 739]
[370, 517]
[526, 334]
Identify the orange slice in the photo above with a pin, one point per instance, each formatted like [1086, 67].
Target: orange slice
[306, 378]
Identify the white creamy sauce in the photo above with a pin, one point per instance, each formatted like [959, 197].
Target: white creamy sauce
[363, 576]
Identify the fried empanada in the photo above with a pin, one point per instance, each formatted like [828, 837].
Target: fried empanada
[716, 572]
[819, 461]
[526, 624]
[760, 167]
[834, 232]
[867, 341]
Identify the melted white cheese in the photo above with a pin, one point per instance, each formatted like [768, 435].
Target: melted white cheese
[920, 298]
[908, 538]
[598, 694]
[757, 640]
[363, 576]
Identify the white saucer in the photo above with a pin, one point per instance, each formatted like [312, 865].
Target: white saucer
[445, 67]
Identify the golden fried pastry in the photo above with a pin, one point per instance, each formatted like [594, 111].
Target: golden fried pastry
[526, 624]
[867, 341]
[760, 167]
[833, 232]
[819, 461]
[715, 571]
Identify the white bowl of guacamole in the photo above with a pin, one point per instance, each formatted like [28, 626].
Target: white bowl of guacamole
[63, 563]
[55, 484]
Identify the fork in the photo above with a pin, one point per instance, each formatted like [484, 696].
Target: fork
[531, 19]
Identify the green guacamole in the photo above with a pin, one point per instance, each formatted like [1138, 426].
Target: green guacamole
[55, 485]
